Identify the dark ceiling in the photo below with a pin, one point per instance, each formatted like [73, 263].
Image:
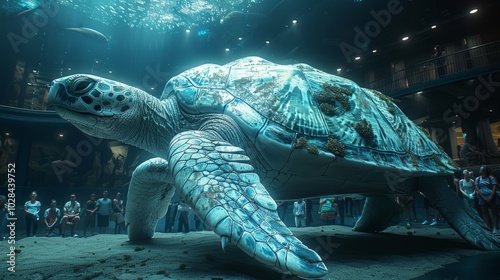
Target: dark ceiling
[323, 26]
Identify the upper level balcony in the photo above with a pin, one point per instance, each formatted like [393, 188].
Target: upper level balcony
[449, 68]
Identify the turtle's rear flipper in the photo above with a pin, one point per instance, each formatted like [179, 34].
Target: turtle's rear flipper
[459, 215]
[148, 196]
[217, 181]
[379, 213]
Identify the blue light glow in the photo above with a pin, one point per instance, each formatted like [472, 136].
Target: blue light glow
[202, 32]
[30, 4]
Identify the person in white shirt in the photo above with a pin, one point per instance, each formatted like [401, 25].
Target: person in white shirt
[466, 186]
[299, 211]
[183, 217]
[71, 215]
[31, 208]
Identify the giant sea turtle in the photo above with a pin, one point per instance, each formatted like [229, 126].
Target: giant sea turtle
[222, 133]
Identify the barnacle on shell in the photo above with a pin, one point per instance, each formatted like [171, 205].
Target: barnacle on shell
[365, 130]
[301, 143]
[330, 95]
[336, 147]
[327, 109]
[336, 89]
[312, 149]
[413, 160]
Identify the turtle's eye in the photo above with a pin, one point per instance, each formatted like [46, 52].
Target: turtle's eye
[81, 85]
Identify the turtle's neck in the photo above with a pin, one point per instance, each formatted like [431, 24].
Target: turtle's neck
[153, 125]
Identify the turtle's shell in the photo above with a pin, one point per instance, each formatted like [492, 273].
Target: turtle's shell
[310, 107]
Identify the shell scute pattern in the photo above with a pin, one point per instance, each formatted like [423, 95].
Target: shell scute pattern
[208, 76]
[269, 100]
[280, 94]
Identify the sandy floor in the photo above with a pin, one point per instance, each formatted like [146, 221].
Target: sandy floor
[397, 253]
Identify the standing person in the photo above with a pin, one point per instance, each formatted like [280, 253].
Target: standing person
[406, 202]
[198, 225]
[52, 218]
[487, 187]
[470, 153]
[170, 217]
[90, 209]
[456, 182]
[3, 217]
[71, 215]
[32, 208]
[118, 211]
[427, 211]
[439, 61]
[299, 211]
[357, 205]
[183, 216]
[348, 206]
[328, 210]
[309, 216]
[467, 188]
[104, 210]
[341, 204]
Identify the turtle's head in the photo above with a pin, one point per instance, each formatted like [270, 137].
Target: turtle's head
[100, 107]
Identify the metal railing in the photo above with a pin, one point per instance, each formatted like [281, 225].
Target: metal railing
[441, 70]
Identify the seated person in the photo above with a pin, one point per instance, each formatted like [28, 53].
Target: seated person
[71, 215]
[470, 153]
[52, 218]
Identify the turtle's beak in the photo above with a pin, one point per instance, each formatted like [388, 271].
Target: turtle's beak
[59, 96]
[56, 89]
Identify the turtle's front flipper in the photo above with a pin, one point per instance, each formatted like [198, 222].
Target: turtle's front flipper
[217, 181]
[459, 215]
[148, 196]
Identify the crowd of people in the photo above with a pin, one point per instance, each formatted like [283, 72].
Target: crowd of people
[479, 192]
[482, 193]
[56, 221]
[332, 210]
[181, 213]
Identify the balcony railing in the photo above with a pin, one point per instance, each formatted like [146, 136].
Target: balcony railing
[448, 68]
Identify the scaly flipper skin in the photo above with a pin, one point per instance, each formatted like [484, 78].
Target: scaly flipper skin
[217, 181]
[149, 193]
